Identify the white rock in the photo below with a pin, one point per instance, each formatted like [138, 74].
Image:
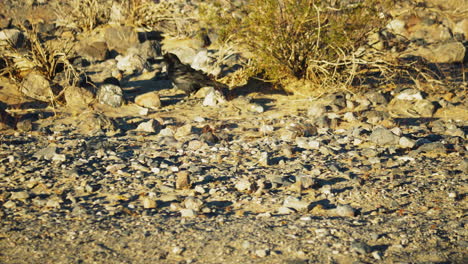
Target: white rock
[9, 204]
[377, 255]
[149, 126]
[213, 98]
[285, 210]
[19, 196]
[59, 157]
[199, 189]
[130, 63]
[345, 210]
[203, 62]
[405, 142]
[177, 250]
[167, 132]
[264, 159]
[295, 203]
[187, 213]
[397, 26]
[199, 119]
[397, 131]
[410, 95]
[326, 189]
[266, 129]
[349, 116]
[266, 214]
[193, 203]
[256, 108]
[244, 185]
[149, 203]
[261, 253]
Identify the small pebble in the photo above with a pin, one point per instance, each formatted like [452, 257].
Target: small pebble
[183, 180]
[345, 211]
[261, 253]
[361, 247]
[187, 213]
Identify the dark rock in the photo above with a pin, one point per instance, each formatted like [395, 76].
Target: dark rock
[6, 120]
[94, 51]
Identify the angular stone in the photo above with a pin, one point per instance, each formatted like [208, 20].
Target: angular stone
[244, 185]
[433, 147]
[295, 203]
[202, 61]
[150, 126]
[345, 211]
[46, 153]
[183, 180]
[376, 98]
[183, 131]
[121, 38]
[131, 63]
[424, 108]
[36, 86]
[78, 97]
[110, 94]
[213, 98]
[450, 52]
[12, 37]
[409, 95]
[383, 136]
[405, 142]
[193, 203]
[361, 247]
[149, 100]
[94, 51]
[410, 102]
[19, 195]
[149, 203]
[187, 213]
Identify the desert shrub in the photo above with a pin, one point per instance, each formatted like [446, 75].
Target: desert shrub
[172, 17]
[49, 58]
[296, 39]
[85, 15]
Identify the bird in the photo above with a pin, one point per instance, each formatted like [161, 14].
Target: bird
[186, 78]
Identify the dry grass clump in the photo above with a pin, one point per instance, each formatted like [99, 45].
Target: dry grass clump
[39, 55]
[299, 39]
[85, 15]
[49, 58]
[173, 17]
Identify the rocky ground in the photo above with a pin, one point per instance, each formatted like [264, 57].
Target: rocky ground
[136, 172]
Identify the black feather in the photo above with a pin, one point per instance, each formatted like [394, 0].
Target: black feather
[187, 78]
